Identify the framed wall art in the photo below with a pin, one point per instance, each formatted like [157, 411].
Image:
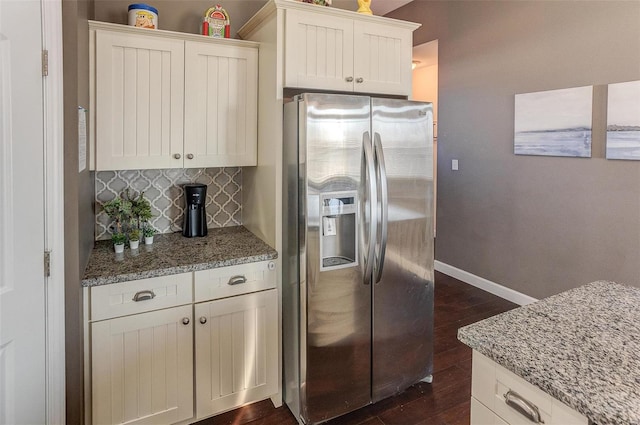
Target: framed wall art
[623, 121]
[554, 122]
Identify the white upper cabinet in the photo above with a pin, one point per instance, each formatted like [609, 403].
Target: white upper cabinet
[139, 100]
[333, 49]
[319, 52]
[382, 58]
[221, 97]
[162, 99]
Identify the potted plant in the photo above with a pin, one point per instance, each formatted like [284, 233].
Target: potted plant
[148, 231]
[140, 209]
[134, 238]
[119, 210]
[118, 240]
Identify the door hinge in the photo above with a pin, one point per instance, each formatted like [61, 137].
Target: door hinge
[45, 63]
[47, 264]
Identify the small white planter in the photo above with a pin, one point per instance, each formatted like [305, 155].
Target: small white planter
[148, 240]
[119, 248]
[134, 244]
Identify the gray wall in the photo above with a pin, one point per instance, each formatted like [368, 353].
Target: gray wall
[180, 15]
[186, 16]
[78, 193]
[539, 225]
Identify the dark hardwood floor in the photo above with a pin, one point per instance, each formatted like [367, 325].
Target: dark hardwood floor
[444, 402]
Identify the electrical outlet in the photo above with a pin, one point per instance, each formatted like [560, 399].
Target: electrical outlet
[454, 164]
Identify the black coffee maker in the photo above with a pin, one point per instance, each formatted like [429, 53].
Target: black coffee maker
[195, 215]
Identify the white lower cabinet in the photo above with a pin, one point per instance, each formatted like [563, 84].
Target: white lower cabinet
[499, 397]
[141, 355]
[236, 351]
[142, 368]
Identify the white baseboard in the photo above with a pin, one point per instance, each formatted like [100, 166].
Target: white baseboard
[484, 284]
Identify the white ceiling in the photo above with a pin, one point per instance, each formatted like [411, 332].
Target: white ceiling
[382, 7]
[378, 7]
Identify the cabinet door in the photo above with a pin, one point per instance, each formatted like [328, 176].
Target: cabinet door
[142, 368]
[221, 97]
[318, 51]
[139, 101]
[236, 351]
[382, 58]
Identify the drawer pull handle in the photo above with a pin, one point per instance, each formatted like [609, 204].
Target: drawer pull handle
[185, 321]
[237, 280]
[144, 295]
[523, 406]
[203, 320]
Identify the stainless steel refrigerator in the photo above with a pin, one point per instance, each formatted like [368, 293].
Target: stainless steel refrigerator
[357, 251]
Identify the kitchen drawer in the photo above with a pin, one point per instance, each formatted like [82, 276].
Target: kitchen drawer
[225, 282]
[155, 293]
[490, 383]
[481, 415]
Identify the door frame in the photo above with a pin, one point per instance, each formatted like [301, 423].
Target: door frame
[53, 98]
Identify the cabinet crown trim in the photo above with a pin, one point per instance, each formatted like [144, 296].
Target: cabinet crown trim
[98, 25]
[271, 6]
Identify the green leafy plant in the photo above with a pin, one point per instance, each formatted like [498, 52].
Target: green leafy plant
[118, 238]
[148, 230]
[134, 235]
[119, 210]
[140, 208]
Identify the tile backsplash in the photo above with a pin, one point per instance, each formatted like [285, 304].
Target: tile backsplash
[163, 189]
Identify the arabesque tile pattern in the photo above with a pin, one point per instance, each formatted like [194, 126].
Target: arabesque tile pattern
[163, 189]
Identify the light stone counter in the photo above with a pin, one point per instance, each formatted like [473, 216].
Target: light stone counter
[173, 253]
[581, 346]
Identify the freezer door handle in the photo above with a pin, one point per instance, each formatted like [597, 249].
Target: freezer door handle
[369, 172]
[383, 219]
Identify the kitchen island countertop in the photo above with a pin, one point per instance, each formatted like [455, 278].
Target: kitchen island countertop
[173, 253]
[581, 346]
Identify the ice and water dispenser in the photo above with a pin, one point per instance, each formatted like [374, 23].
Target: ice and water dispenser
[338, 242]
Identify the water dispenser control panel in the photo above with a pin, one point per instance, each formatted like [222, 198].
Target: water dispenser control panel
[338, 241]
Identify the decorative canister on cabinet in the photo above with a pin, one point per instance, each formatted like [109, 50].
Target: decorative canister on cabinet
[143, 16]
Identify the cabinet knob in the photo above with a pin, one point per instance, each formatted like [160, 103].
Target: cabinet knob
[359, 80]
[203, 320]
[177, 156]
[185, 321]
[189, 156]
[349, 79]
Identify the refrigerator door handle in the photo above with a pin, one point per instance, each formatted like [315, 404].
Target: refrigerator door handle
[370, 170]
[381, 176]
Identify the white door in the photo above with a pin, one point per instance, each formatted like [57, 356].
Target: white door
[382, 58]
[318, 52]
[142, 368]
[22, 290]
[236, 351]
[220, 105]
[139, 101]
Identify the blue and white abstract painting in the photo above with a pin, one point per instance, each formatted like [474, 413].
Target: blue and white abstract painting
[623, 121]
[554, 122]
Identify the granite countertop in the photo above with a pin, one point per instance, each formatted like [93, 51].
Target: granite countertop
[581, 346]
[173, 253]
